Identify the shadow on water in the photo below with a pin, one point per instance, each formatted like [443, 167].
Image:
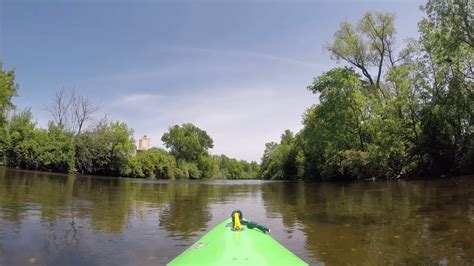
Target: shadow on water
[60, 219]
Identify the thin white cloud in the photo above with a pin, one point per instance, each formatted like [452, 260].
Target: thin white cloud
[242, 99]
[137, 98]
[258, 55]
[240, 120]
[205, 62]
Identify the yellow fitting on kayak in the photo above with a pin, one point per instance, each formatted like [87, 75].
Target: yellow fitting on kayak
[236, 221]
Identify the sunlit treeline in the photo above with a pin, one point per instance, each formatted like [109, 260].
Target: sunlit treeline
[75, 141]
[390, 112]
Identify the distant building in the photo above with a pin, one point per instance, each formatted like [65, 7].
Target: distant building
[143, 143]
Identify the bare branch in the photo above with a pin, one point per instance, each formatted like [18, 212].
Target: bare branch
[83, 110]
[71, 110]
[59, 108]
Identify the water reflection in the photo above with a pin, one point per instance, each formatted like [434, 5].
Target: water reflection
[421, 222]
[63, 219]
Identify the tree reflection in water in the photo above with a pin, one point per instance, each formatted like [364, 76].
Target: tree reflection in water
[58, 219]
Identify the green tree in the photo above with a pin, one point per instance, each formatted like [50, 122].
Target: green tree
[411, 112]
[188, 170]
[279, 159]
[449, 27]
[336, 124]
[134, 168]
[341, 108]
[57, 150]
[209, 166]
[249, 170]
[22, 135]
[114, 144]
[230, 168]
[446, 140]
[8, 89]
[35, 148]
[187, 142]
[154, 163]
[165, 164]
[105, 150]
[367, 46]
[85, 155]
[270, 166]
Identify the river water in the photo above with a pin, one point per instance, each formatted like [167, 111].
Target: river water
[55, 219]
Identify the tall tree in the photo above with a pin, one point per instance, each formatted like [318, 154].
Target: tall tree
[187, 142]
[335, 130]
[22, 134]
[280, 160]
[113, 145]
[448, 54]
[36, 148]
[8, 89]
[367, 46]
[342, 107]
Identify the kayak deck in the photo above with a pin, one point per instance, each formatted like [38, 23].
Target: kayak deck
[222, 246]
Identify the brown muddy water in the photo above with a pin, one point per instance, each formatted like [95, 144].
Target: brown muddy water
[55, 219]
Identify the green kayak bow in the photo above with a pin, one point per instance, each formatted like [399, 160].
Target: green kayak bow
[237, 241]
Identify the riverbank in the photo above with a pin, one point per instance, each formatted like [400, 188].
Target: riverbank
[335, 181]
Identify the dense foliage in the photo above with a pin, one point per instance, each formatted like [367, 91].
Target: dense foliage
[35, 148]
[106, 148]
[8, 89]
[190, 145]
[156, 163]
[109, 149]
[402, 115]
[231, 168]
[187, 142]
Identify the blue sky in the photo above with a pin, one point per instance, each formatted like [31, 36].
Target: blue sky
[237, 69]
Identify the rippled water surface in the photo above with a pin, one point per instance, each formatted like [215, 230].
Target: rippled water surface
[54, 219]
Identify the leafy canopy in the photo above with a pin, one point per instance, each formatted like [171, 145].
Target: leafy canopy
[187, 142]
